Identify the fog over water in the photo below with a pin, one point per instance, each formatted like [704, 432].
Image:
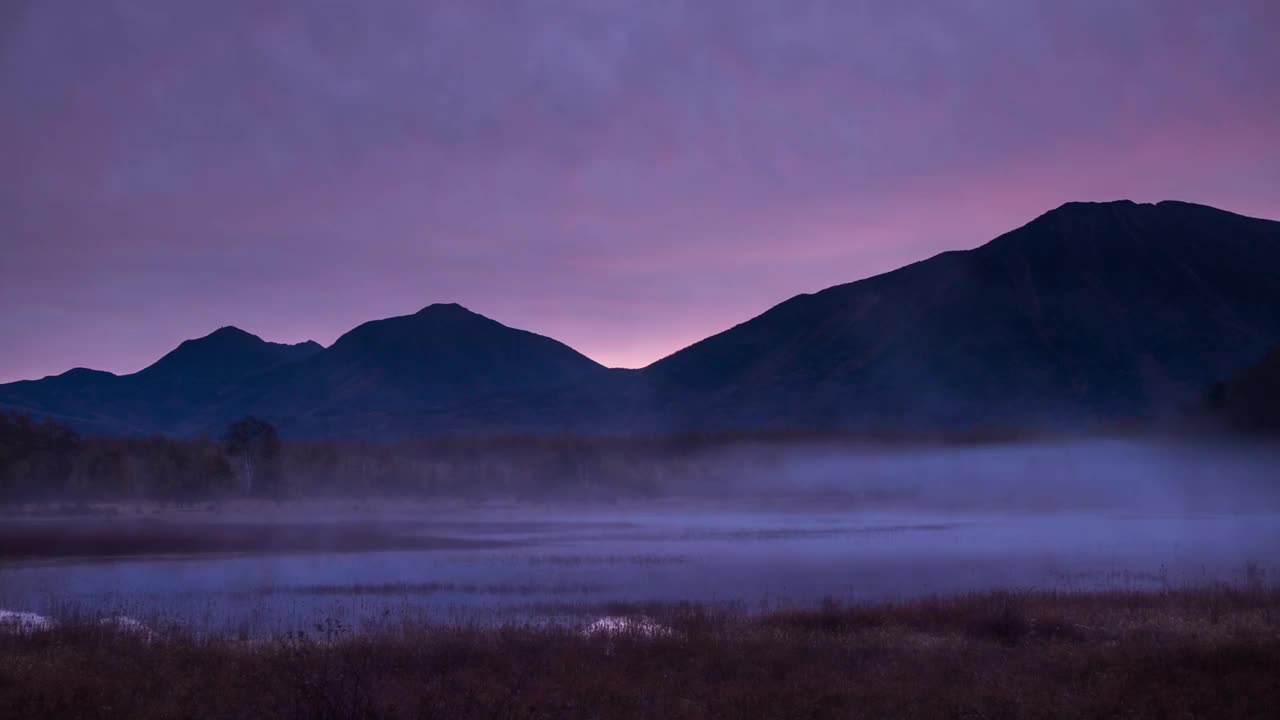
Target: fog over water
[767, 527]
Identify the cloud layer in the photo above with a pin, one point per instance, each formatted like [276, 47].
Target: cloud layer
[624, 176]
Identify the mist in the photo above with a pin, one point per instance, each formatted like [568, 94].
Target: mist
[554, 529]
[1158, 474]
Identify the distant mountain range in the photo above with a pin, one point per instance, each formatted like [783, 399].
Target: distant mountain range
[1092, 312]
[162, 397]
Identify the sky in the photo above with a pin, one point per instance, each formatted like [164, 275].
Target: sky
[626, 176]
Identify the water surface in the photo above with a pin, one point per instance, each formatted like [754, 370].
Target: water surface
[493, 563]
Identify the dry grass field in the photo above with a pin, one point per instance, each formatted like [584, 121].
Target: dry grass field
[1211, 652]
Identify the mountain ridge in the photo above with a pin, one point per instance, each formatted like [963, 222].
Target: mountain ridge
[158, 396]
[1011, 281]
[1090, 311]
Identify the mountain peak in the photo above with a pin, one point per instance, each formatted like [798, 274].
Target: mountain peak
[232, 336]
[1076, 224]
[1084, 208]
[441, 354]
[446, 310]
[227, 332]
[1070, 217]
[225, 354]
[1084, 204]
[77, 376]
[1080, 208]
[83, 372]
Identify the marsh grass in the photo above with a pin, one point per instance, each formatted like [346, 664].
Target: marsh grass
[1203, 652]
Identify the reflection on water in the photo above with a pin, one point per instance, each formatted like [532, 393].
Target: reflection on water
[554, 562]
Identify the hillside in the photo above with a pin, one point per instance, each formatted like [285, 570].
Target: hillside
[159, 397]
[1092, 311]
[383, 374]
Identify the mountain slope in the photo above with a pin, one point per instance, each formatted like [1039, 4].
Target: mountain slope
[159, 396]
[383, 374]
[1092, 311]
[226, 354]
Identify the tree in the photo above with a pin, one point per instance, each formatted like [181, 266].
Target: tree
[37, 457]
[254, 448]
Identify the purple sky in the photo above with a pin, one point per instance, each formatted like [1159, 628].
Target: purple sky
[626, 176]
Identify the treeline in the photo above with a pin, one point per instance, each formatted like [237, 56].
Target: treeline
[1251, 400]
[42, 459]
[45, 460]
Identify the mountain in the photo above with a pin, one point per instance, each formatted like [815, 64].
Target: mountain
[385, 375]
[158, 397]
[226, 354]
[88, 400]
[1093, 311]
[424, 371]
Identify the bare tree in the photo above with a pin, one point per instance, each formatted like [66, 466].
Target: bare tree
[254, 446]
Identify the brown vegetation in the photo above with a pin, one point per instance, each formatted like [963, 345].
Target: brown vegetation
[1212, 652]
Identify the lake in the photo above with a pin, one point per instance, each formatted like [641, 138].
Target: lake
[372, 562]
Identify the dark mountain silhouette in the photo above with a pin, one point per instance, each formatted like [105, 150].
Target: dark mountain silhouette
[226, 354]
[159, 397]
[384, 377]
[88, 400]
[381, 375]
[1092, 312]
